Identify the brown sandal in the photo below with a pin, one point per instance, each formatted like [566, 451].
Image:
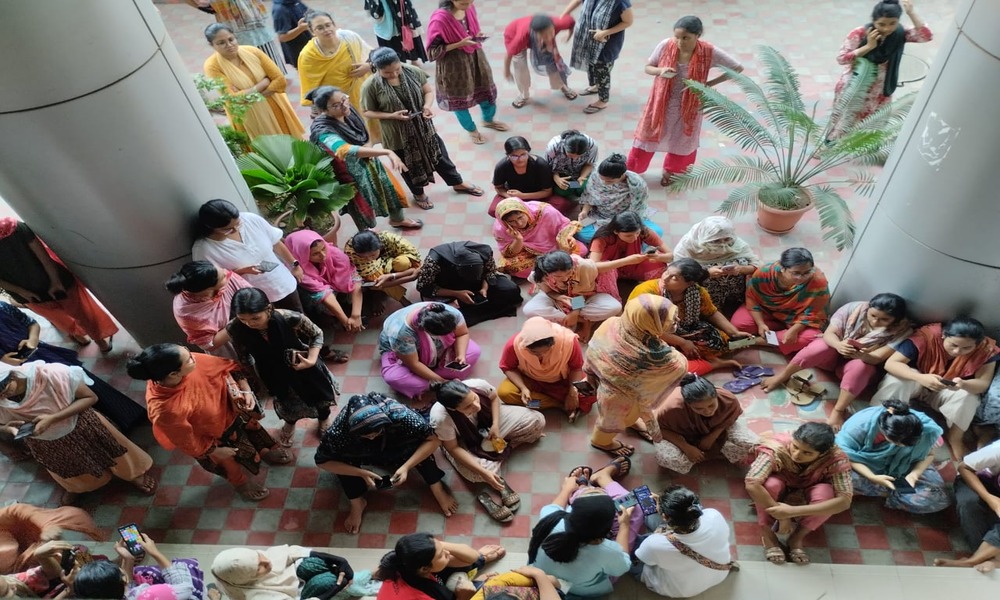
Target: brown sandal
[496, 511]
[253, 491]
[509, 497]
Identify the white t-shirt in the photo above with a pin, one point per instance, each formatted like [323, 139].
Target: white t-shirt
[669, 573]
[441, 421]
[259, 238]
[985, 458]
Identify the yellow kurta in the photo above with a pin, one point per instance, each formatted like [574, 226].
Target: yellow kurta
[316, 69]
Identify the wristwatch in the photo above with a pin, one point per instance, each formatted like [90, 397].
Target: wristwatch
[295, 263]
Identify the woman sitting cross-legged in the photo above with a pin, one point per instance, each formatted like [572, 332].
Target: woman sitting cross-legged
[203, 293]
[423, 343]
[977, 500]
[703, 333]
[526, 230]
[541, 363]
[283, 346]
[689, 553]
[729, 259]
[789, 297]
[280, 573]
[948, 367]
[422, 567]
[615, 190]
[807, 464]
[478, 433]
[625, 235]
[464, 275]
[572, 155]
[570, 542]
[860, 337]
[203, 406]
[521, 174]
[699, 422]
[385, 261]
[892, 453]
[375, 431]
[576, 292]
[329, 280]
[606, 481]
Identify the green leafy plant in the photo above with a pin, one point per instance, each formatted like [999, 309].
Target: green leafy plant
[217, 96]
[788, 150]
[290, 174]
[237, 141]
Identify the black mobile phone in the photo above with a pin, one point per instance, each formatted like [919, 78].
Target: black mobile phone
[534, 403]
[903, 486]
[626, 501]
[25, 353]
[480, 38]
[267, 266]
[651, 250]
[584, 387]
[24, 431]
[575, 185]
[647, 503]
[948, 382]
[67, 560]
[384, 483]
[457, 366]
[478, 299]
[130, 534]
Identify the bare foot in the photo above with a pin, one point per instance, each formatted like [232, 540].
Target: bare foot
[836, 419]
[447, 502]
[377, 304]
[718, 363]
[987, 566]
[769, 384]
[353, 521]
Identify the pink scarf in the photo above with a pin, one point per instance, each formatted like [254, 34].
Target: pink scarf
[335, 274]
[202, 318]
[51, 388]
[444, 25]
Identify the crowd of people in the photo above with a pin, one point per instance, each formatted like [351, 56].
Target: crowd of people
[617, 318]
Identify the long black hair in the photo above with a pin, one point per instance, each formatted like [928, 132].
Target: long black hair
[591, 519]
[898, 424]
[412, 553]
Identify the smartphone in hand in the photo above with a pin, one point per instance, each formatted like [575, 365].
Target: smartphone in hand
[384, 483]
[855, 344]
[457, 366]
[24, 431]
[577, 302]
[25, 353]
[948, 382]
[478, 299]
[584, 387]
[575, 185]
[132, 538]
[267, 266]
[645, 499]
[626, 501]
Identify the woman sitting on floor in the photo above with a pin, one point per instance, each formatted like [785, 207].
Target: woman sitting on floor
[375, 431]
[690, 552]
[626, 235]
[572, 156]
[807, 463]
[702, 333]
[892, 453]
[860, 337]
[790, 298]
[699, 422]
[386, 261]
[615, 190]
[977, 500]
[729, 259]
[275, 573]
[570, 542]
[203, 293]
[422, 344]
[541, 363]
[478, 433]
[329, 280]
[420, 567]
[526, 230]
[606, 481]
[948, 367]
[521, 174]
[24, 529]
[464, 275]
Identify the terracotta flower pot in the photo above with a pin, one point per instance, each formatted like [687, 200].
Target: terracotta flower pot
[778, 221]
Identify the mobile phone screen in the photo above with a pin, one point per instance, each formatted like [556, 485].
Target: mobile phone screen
[384, 483]
[130, 534]
[478, 299]
[24, 431]
[267, 266]
[574, 185]
[577, 302]
[772, 338]
[645, 499]
[948, 382]
[456, 366]
[584, 387]
[533, 403]
[626, 501]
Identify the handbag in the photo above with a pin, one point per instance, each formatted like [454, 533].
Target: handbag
[698, 557]
[404, 29]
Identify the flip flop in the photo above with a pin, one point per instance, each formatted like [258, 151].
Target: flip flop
[741, 384]
[591, 109]
[623, 466]
[774, 554]
[519, 103]
[423, 202]
[798, 556]
[416, 223]
[585, 473]
[623, 450]
[570, 94]
[641, 433]
[477, 137]
[587, 91]
[475, 190]
[496, 125]
[754, 371]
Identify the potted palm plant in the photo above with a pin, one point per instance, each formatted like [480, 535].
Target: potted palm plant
[289, 175]
[785, 171]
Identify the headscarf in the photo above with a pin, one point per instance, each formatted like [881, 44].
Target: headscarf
[589, 519]
[806, 303]
[235, 570]
[654, 114]
[857, 439]
[851, 320]
[352, 129]
[50, 388]
[445, 27]
[552, 367]
[336, 273]
[698, 243]
[364, 414]
[932, 358]
[611, 199]
[467, 260]
[890, 51]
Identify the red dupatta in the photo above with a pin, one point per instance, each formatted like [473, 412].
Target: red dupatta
[650, 128]
[934, 359]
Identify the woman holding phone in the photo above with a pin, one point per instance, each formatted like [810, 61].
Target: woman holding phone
[526, 230]
[541, 363]
[464, 275]
[728, 258]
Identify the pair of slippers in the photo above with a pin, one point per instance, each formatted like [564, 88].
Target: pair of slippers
[747, 377]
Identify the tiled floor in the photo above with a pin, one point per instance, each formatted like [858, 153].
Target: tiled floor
[305, 506]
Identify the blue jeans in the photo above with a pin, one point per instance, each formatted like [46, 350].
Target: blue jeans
[465, 119]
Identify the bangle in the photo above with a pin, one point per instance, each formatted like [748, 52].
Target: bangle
[392, 277]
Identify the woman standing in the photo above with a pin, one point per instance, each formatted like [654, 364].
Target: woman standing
[702, 331]
[464, 77]
[478, 432]
[614, 191]
[400, 97]
[386, 260]
[329, 278]
[597, 42]
[525, 231]
[729, 259]
[203, 406]
[633, 368]
[397, 26]
[284, 347]
[671, 119]
[248, 20]
[626, 235]
[892, 456]
[464, 274]
[246, 69]
[541, 363]
[79, 448]
[882, 42]
[246, 244]
[341, 131]
[203, 294]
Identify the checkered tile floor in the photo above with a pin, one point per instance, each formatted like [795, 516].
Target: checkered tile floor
[305, 505]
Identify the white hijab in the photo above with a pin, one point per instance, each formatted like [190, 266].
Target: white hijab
[235, 571]
[698, 243]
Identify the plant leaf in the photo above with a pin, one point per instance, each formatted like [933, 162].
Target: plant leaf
[780, 80]
[741, 200]
[274, 190]
[733, 120]
[277, 149]
[737, 169]
[834, 216]
[852, 97]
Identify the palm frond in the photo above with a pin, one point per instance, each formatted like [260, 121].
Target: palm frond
[733, 120]
[737, 169]
[863, 181]
[758, 98]
[851, 99]
[781, 82]
[834, 216]
[741, 200]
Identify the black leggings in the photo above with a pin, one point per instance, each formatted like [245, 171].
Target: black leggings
[355, 487]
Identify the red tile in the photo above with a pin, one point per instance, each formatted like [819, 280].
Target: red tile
[168, 495]
[207, 536]
[305, 477]
[200, 476]
[293, 520]
[910, 558]
[547, 462]
[460, 524]
[720, 504]
[872, 537]
[841, 518]
[135, 514]
[403, 523]
[737, 489]
[519, 481]
[747, 534]
[371, 540]
[317, 539]
[895, 518]
[846, 557]
[276, 499]
[185, 518]
[519, 527]
[934, 540]
[239, 519]
[260, 538]
[221, 496]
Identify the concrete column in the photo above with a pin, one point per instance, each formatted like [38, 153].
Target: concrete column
[107, 150]
[933, 233]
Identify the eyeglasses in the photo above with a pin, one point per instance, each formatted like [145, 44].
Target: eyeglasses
[800, 273]
[343, 103]
[518, 156]
[233, 229]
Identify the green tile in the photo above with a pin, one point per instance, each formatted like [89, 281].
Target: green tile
[279, 477]
[178, 536]
[213, 518]
[175, 475]
[233, 538]
[902, 538]
[266, 519]
[877, 557]
[841, 536]
[299, 498]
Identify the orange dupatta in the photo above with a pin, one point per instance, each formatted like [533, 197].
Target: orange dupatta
[552, 367]
[933, 358]
[650, 128]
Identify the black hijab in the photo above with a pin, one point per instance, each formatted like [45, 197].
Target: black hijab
[461, 262]
[352, 129]
[889, 51]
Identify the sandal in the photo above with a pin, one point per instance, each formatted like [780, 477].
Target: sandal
[412, 224]
[334, 355]
[774, 554]
[644, 434]
[492, 553]
[286, 435]
[665, 180]
[496, 125]
[621, 449]
[798, 556]
[622, 465]
[509, 497]
[519, 103]
[277, 456]
[145, 483]
[593, 108]
[496, 511]
[477, 138]
[585, 474]
[82, 340]
[588, 91]
[423, 202]
[253, 491]
[106, 345]
[568, 92]
[472, 190]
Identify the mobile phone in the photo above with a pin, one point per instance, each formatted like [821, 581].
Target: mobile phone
[414, 115]
[626, 501]
[67, 560]
[646, 501]
[668, 74]
[948, 382]
[130, 534]
[478, 299]
[903, 486]
[729, 268]
[584, 387]
[772, 338]
[457, 366]
[25, 353]
[480, 38]
[651, 250]
[24, 431]
[292, 357]
[533, 403]
[856, 344]
[575, 185]
[384, 483]
[367, 284]
[577, 302]
[267, 266]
